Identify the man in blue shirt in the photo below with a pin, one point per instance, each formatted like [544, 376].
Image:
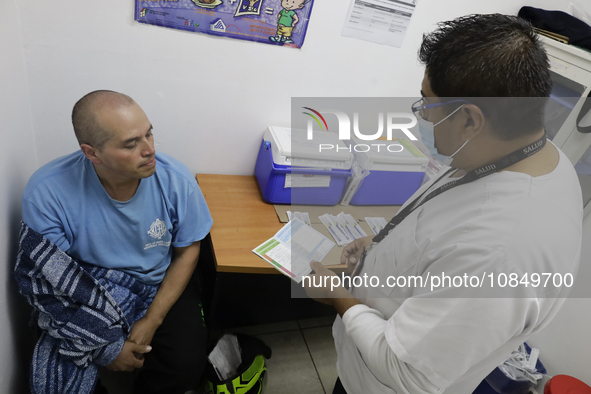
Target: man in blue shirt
[118, 204]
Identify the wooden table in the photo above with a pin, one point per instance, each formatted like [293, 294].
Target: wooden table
[241, 221]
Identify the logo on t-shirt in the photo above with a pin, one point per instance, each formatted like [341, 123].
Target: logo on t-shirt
[157, 229]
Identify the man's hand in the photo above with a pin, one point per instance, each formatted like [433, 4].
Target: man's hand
[352, 252]
[323, 275]
[127, 359]
[142, 332]
[329, 293]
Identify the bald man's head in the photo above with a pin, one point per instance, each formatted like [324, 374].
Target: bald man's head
[84, 116]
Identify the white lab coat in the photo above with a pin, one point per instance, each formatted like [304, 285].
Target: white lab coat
[414, 340]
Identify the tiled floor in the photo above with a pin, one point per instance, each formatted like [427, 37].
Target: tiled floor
[303, 360]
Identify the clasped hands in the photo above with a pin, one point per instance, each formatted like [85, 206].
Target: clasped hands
[136, 345]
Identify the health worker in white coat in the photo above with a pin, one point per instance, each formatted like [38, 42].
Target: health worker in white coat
[507, 211]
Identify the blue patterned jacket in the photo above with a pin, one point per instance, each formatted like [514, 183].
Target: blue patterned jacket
[84, 312]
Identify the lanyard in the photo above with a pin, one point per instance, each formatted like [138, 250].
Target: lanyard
[473, 175]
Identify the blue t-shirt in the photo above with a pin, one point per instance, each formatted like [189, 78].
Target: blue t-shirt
[65, 202]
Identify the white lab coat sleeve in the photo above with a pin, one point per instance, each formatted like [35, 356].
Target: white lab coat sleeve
[366, 326]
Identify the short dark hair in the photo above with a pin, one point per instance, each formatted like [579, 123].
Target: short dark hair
[486, 56]
[86, 126]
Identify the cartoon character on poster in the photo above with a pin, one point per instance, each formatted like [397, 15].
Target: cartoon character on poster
[286, 20]
[248, 7]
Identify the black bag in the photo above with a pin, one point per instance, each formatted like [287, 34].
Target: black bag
[578, 32]
[251, 376]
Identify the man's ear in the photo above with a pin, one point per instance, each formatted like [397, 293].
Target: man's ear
[474, 120]
[90, 153]
[302, 6]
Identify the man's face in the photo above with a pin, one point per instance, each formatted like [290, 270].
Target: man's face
[129, 154]
[292, 4]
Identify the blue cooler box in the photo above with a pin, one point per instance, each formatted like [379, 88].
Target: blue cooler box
[283, 163]
[394, 176]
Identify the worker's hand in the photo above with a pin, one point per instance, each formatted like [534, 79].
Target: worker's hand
[142, 332]
[324, 285]
[352, 252]
[127, 359]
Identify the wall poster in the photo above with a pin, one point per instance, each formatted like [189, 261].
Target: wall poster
[276, 22]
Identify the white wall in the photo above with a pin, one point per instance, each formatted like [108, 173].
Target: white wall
[17, 162]
[193, 86]
[205, 112]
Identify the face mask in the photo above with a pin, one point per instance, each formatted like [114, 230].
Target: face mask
[427, 131]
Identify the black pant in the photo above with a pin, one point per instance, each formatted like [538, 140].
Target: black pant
[338, 387]
[178, 356]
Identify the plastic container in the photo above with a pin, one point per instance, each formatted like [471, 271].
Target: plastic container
[564, 384]
[394, 176]
[283, 159]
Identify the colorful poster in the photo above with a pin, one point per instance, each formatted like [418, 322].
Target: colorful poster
[277, 22]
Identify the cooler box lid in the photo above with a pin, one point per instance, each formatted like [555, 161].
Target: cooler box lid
[391, 153]
[398, 154]
[292, 148]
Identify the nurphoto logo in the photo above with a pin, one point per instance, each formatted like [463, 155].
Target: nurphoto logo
[391, 120]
